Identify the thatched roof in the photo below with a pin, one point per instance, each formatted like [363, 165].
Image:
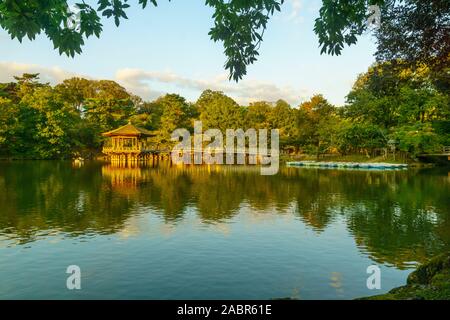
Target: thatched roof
[129, 131]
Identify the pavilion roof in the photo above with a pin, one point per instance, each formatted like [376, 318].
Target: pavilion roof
[129, 130]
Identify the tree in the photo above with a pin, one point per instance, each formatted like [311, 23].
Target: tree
[18, 120]
[148, 115]
[55, 128]
[360, 138]
[366, 106]
[240, 26]
[316, 120]
[107, 114]
[422, 105]
[218, 111]
[101, 105]
[41, 121]
[417, 139]
[389, 94]
[8, 123]
[38, 123]
[282, 117]
[387, 102]
[76, 91]
[27, 83]
[257, 115]
[8, 115]
[177, 113]
[415, 32]
[341, 22]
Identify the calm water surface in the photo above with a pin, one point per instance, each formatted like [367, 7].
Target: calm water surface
[207, 233]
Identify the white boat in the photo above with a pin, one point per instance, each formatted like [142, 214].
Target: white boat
[348, 165]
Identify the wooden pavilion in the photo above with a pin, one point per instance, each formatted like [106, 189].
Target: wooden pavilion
[128, 144]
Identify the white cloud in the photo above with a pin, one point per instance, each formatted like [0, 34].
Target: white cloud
[53, 75]
[245, 91]
[152, 84]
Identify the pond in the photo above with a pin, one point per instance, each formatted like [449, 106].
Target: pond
[214, 232]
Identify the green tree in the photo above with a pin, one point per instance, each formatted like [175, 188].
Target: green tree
[415, 32]
[177, 113]
[240, 26]
[18, 120]
[360, 138]
[257, 115]
[423, 105]
[389, 94]
[316, 121]
[76, 91]
[36, 121]
[218, 111]
[148, 115]
[108, 114]
[55, 123]
[102, 106]
[282, 117]
[8, 124]
[417, 139]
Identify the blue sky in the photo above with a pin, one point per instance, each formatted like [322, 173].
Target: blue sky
[167, 49]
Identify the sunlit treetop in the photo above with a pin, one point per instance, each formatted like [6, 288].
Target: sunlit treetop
[238, 24]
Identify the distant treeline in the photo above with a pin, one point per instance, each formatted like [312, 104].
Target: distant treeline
[388, 105]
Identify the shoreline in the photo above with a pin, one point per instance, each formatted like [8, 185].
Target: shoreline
[430, 281]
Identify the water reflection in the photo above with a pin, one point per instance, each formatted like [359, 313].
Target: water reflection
[395, 217]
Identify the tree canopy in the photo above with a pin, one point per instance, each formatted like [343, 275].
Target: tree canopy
[413, 30]
[389, 102]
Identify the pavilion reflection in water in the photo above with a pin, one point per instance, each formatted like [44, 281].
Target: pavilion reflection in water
[124, 176]
[131, 174]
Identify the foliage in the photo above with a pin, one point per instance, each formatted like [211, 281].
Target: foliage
[388, 102]
[240, 26]
[316, 122]
[257, 115]
[442, 129]
[341, 22]
[219, 111]
[148, 115]
[415, 32]
[282, 117]
[417, 139]
[177, 113]
[40, 121]
[357, 137]
[389, 94]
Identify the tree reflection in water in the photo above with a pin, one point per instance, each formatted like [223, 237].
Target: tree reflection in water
[394, 216]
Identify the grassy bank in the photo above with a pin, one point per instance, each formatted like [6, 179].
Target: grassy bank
[431, 281]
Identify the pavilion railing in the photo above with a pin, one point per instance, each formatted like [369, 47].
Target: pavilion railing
[140, 147]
